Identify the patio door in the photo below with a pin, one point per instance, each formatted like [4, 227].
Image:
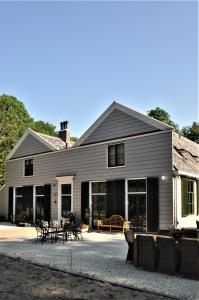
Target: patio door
[137, 206]
[42, 202]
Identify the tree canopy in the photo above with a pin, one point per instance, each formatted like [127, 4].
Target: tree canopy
[163, 116]
[192, 132]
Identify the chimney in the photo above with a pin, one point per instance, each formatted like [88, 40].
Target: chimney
[64, 133]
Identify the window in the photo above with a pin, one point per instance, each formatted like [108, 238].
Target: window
[116, 155]
[187, 197]
[66, 199]
[28, 169]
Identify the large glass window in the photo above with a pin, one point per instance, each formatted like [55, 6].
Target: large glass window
[98, 194]
[137, 203]
[66, 199]
[116, 155]
[28, 167]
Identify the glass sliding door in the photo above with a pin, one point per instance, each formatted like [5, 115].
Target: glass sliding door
[137, 204]
[99, 207]
[39, 197]
[65, 199]
[24, 203]
[20, 205]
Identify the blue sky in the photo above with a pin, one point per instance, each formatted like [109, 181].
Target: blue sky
[70, 60]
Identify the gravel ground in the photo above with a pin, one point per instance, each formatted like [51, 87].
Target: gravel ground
[22, 280]
[100, 256]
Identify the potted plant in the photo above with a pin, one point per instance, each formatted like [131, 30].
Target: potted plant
[176, 233]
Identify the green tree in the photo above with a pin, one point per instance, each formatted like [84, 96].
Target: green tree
[44, 127]
[192, 132]
[163, 116]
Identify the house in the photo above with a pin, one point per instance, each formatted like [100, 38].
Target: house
[126, 163]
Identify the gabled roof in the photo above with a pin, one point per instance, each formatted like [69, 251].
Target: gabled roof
[53, 143]
[185, 155]
[148, 120]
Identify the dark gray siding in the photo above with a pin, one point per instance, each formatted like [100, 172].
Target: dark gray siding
[145, 156]
[117, 125]
[30, 146]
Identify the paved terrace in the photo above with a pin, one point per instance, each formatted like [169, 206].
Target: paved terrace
[99, 255]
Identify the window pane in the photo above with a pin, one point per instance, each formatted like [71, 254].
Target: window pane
[66, 189]
[40, 190]
[137, 186]
[19, 191]
[28, 167]
[111, 156]
[137, 211]
[98, 187]
[99, 207]
[66, 205]
[120, 154]
[190, 186]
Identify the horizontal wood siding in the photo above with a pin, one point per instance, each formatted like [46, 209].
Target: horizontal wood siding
[116, 125]
[148, 156]
[30, 146]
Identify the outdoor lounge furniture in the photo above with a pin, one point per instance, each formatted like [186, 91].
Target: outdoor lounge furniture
[169, 255]
[129, 236]
[114, 222]
[147, 253]
[190, 258]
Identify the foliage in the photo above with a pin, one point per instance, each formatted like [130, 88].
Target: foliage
[44, 127]
[163, 116]
[73, 139]
[192, 132]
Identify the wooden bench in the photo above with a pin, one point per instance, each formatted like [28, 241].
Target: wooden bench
[114, 222]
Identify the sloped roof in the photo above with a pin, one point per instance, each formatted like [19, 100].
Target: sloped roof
[185, 154]
[52, 140]
[148, 120]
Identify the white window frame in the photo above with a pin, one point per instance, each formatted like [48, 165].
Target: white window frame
[112, 144]
[64, 180]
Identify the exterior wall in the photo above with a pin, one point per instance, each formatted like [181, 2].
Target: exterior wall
[3, 203]
[30, 146]
[188, 221]
[146, 156]
[117, 125]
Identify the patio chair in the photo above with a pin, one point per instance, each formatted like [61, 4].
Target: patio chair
[129, 236]
[190, 258]
[147, 253]
[169, 255]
